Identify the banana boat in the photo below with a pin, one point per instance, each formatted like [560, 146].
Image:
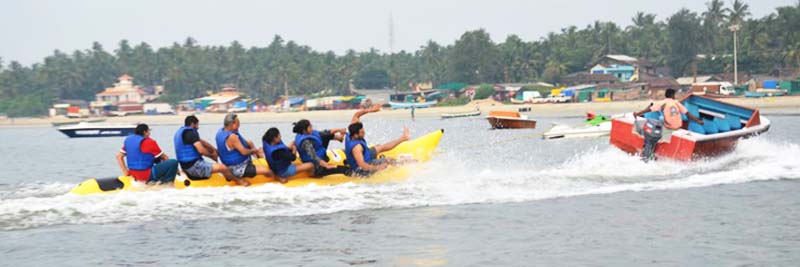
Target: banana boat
[419, 150]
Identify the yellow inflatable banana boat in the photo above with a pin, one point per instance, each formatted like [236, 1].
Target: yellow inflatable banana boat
[420, 149]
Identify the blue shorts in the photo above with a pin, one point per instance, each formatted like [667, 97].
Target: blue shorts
[289, 172]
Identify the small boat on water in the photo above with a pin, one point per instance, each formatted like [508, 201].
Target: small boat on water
[723, 125]
[593, 126]
[510, 120]
[406, 105]
[461, 114]
[73, 121]
[85, 129]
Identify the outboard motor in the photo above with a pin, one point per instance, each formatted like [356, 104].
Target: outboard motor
[651, 130]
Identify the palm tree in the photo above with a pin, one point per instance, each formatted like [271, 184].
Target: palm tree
[716, 12]
[712, 21]
[642, 19]
[738, 12]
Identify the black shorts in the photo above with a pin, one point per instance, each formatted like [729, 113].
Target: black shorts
[360, 173]
[243, 170]
[250, 171]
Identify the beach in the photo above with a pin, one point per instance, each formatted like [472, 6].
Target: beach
[768, 105]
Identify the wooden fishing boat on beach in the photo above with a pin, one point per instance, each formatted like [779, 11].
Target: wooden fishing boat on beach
[510, 120]
[723, 125]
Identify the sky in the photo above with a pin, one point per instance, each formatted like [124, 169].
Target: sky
[32, 29]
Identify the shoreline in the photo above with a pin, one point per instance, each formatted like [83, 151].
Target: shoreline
[785, 105]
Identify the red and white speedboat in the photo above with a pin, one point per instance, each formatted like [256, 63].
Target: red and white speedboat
[723, 125]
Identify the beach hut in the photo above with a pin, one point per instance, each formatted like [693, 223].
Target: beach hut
[793, 87]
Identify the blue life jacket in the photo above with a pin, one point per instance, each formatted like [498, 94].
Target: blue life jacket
[318, 148]
[136, 159]
[277, 166]
[185, 152]
[349, 144]
[230, 157]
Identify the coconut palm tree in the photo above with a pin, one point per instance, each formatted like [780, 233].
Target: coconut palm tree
[738, 12]
[713, 18]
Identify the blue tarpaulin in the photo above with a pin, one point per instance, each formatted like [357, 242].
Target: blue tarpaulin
[296, 100]
[770, 84]
[240, 104]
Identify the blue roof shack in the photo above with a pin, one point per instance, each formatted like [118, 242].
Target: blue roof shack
[622, 72]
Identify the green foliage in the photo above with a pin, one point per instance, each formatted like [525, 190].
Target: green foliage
[372, 79]
[474, 58]
[683, 29]
[484, 91]
[459, 101]
[188, 69]
[171, 98]
[24, 106]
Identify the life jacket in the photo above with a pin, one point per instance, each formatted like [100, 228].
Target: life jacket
[230, 157]
[136, 159]
[349, 144]
[277, 166]
[185, 152]
[318, 148]
[671, 110]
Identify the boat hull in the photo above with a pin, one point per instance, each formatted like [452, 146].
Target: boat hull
[685, 145]
[511, 123]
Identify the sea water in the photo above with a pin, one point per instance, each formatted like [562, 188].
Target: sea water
[487, 198]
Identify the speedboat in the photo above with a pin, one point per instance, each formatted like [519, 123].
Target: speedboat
[85, 129]
[723, 125]
[594, 126]
[73, 121]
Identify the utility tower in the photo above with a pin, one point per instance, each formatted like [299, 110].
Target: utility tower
[391, 34]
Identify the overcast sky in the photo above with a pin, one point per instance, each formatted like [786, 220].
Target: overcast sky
[33, 29]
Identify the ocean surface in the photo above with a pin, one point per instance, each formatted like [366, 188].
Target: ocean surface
[488, 198]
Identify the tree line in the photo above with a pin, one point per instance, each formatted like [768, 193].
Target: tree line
[187, 70]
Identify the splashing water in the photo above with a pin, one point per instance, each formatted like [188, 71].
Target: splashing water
[448, 180]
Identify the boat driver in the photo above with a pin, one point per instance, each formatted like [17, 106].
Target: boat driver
[671, 111]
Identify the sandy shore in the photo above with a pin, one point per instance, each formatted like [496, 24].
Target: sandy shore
[771, 105]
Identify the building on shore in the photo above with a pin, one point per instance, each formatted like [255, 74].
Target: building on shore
[623, 73]
[686, 82]
[640, 65]
[220, 102]
[124, 97]
[581, 78]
